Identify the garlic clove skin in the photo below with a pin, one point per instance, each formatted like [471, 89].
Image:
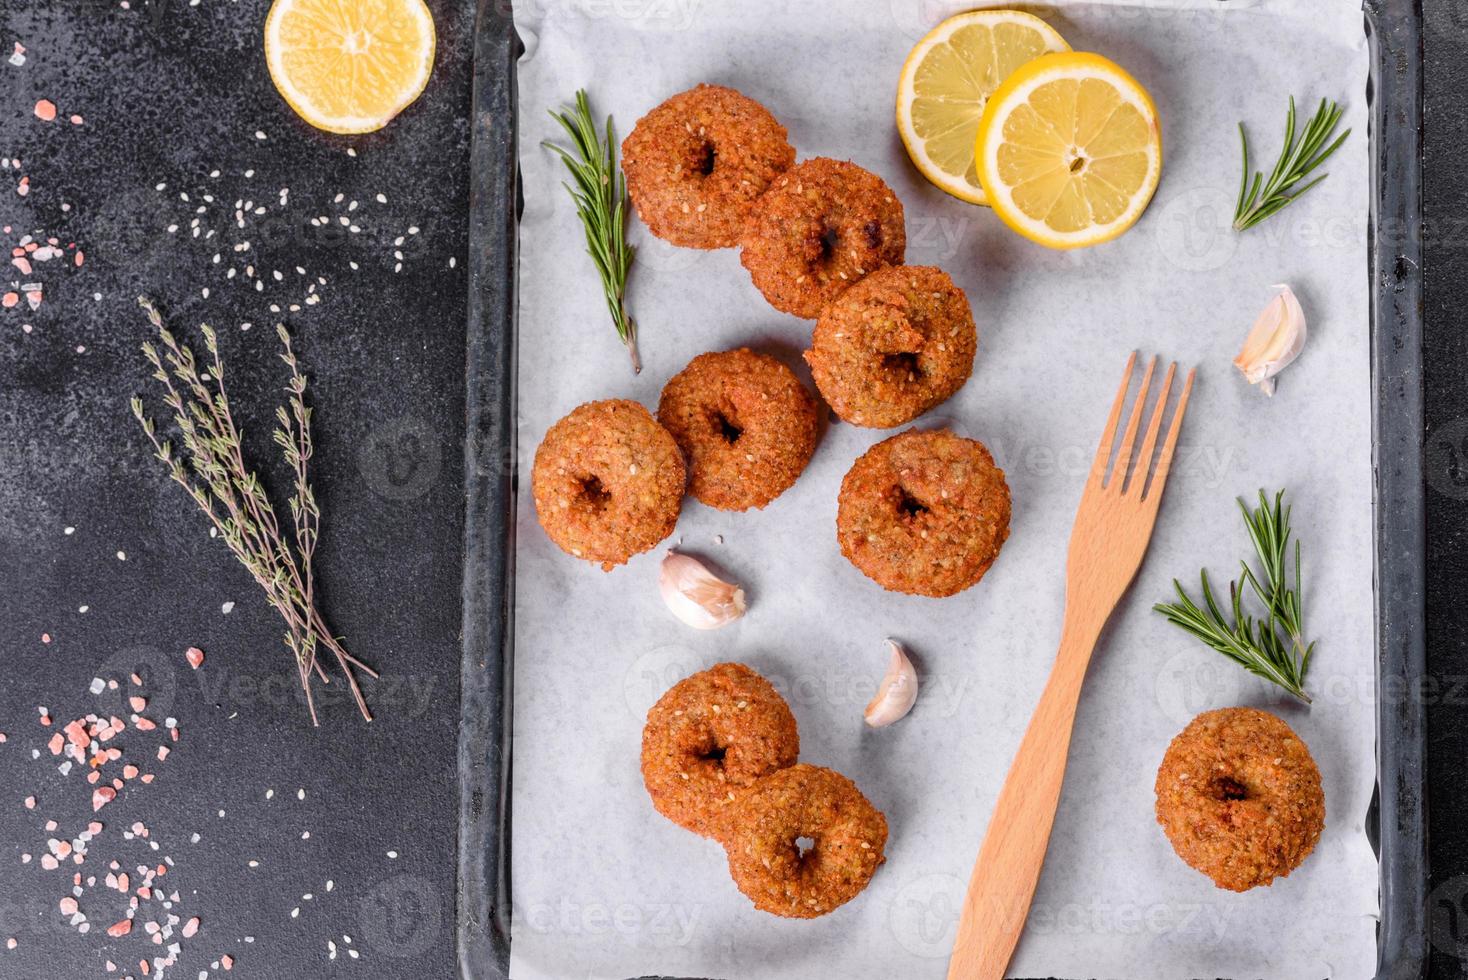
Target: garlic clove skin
[696, 595]
[1276, 339]
[897, 692]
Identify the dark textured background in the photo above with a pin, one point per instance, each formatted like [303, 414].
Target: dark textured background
[170, 92]
[1446, 380]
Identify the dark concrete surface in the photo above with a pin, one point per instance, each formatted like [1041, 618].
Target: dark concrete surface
[169, 93]
[1445, 191]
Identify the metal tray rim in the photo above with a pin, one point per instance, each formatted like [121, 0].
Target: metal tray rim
[1398, 817]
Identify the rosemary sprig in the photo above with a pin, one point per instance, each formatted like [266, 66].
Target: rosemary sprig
[1272, 647]
[212, 471]
[1297, 159]
[600, 193]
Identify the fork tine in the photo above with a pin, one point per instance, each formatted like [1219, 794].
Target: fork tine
[1108, 438]
[1124, 458]
[1159, 479]
[1149, 444]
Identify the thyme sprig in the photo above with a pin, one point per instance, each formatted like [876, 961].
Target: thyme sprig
[1273, 646]
[600, 193]
[1297, 160]
[212, 470]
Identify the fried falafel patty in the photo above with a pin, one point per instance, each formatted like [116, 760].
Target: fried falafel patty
[708, 739]
[608, 482]
[697, 162]
[844, 833]
[1239, 797]
[893, 346]
[746, 424]
[924, 512]
[820, 227]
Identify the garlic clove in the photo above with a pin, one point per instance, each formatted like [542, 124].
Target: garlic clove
[696, 595]
[897, 692]
[1276, 339]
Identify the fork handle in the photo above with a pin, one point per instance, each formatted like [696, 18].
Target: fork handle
[1008, 867]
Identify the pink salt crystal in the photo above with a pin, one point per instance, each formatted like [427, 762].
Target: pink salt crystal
[227, 961]
[56, 743]
[191, 927]
[120, 929]
[46, 110]
[95, 827]
[9, 300]
[129, 772]
[49, 863]
[76, 734]
[79, 259]
[76, 120]
[162, 752]
[30, 802]
[10, 943]
[68, 905]
[45, 637]
[147, 777]
[101, 796]
[23, 264]
[137, 703]
[195, 657]
[138, 681]
[144, 725]
[24, 187]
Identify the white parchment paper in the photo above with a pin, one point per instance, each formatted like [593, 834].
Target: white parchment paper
[603, 887]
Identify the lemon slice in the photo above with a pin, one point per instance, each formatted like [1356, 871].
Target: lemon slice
[349, 66]
[1069, 150]
[947, 79]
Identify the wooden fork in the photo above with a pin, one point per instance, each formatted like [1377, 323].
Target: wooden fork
[1112, 529]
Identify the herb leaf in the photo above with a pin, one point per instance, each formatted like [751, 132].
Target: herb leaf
[212, 470]
[1260, 198]
[1272, 647]
[600, 193]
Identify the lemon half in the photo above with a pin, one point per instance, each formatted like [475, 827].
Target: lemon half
[948, 78]
[1069, 150]
[349, 66]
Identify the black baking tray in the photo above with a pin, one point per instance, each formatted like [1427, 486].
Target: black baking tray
[1396, 823]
